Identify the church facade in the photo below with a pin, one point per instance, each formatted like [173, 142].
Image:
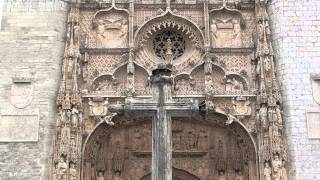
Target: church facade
[161, 90]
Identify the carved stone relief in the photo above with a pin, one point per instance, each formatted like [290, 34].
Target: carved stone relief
[225, 32]
[125, 152]
[111, 28]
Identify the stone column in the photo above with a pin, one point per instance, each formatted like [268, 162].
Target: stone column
[161, 125]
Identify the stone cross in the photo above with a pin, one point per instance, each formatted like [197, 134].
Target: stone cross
[162, 108]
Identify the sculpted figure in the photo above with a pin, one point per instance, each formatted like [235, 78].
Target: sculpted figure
[74, 117]
[267, 171]
[100, 30]
[100, 176]
[214, 29]
[263, 114]
[73, 171]
[279, 172]
[239, 175]
[90, 103]
[117, 176]
[236, 32]
[61, 118]
[222, 175]
[66, 104]
[62, 169]
[237, 86]
[209, 86]
[76, 33]
[69, 113]
[267, 63]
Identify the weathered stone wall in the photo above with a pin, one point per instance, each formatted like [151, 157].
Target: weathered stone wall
[31, 37]
[296, 40]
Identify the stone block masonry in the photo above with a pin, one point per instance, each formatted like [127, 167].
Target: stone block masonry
[296, 40]
[32, 36]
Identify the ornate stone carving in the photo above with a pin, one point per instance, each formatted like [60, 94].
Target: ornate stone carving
[225, 27]
[241, 106]
[106, 98]
[111, 28]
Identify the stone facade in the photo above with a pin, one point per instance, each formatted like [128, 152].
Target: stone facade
[296, 39]
[31, 37]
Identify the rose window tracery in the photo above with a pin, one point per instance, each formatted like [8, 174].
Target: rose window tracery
[169, 43]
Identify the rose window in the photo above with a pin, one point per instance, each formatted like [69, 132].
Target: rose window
[169, 43]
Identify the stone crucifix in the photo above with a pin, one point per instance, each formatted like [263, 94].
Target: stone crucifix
[162, 108]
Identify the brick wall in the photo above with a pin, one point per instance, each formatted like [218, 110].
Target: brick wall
[296, 39]
[31, 36]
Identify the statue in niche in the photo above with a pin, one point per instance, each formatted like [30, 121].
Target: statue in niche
[237, 31]
[117, 176]
[62, 168]
[239, 175]
[233, 85]
[214, 30]
[267, 171]
[209, 86]
[74, 117]
[69, 113]
[263, 116]
[222, 175]
[73, 171]
[100, 175]
[279, 172]
[112, 31]
[61, 117]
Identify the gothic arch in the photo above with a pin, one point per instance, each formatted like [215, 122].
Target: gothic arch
[168, 19]
[177, 174]
[181, 31]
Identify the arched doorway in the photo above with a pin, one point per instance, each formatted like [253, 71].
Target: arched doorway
[203, 148]
[177, 174]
